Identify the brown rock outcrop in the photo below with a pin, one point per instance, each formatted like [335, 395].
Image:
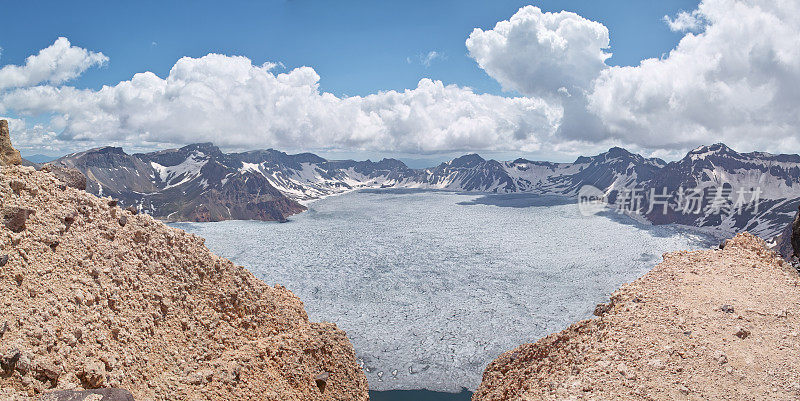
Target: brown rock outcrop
[786, 242]
[69, 176]
[8, 155]
[714, 325]
[88, 301]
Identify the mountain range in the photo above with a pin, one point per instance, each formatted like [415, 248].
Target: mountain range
[199, 182]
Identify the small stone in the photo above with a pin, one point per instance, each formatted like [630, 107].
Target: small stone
[722, 358]
[321, 380]
[165, 305]
[79, 297]
[53, 242]
[133, 210]
[46, 370]
[123, 220]
[200, 377]
[3, 329]
[16, 217]
[93, 374]
[70, 218]
[656, 363]
[16, 186]
[23, 364]
[602, 309]
[112, 203]
[727, 308]
[3, 260]
[195, 379]
[742, 332]
[9, 360]
[626, 372]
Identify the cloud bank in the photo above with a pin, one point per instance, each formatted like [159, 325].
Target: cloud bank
[232, 102]
[736, 81]
[733, 77]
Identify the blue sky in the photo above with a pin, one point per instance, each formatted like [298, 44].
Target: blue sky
[419, 80]
[357, 47]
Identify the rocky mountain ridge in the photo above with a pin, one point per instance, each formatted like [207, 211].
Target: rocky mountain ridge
[100, 298]
[200, 182]
[718, 324]
[195, 183]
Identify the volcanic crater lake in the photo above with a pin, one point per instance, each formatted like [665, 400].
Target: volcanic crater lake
[432, 286]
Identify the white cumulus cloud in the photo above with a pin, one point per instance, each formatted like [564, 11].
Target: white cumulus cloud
[55, 64]
[685, 21]
[232, 102]
[734, 76]
[554, 56]
[736, 81]
[536, 53]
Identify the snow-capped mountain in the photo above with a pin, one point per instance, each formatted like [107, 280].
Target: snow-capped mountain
[758, 192]
[196, 182]
[200, 182]
[307, 176]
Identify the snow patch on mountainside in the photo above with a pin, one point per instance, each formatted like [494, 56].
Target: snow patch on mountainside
[182, 173]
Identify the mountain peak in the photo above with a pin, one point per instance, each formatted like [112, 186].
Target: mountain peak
[206, 147]
[469, 160]
[616, 150]
[718, 149]
[392, 163]
[107, 150]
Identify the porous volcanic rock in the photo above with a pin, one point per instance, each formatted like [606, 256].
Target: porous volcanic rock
[87, 302]
[69, 176]
[702, 325]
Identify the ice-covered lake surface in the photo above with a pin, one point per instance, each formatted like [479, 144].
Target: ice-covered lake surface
[431, 286]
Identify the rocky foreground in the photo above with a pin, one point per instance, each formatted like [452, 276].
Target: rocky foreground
[95, 296]
[714, 325]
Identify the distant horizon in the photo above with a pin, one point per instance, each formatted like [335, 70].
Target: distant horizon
[413, 163]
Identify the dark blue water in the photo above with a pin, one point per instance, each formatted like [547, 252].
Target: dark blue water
[418, 395]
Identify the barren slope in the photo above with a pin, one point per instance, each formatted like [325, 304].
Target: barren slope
[714, 324]
[92, 296]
